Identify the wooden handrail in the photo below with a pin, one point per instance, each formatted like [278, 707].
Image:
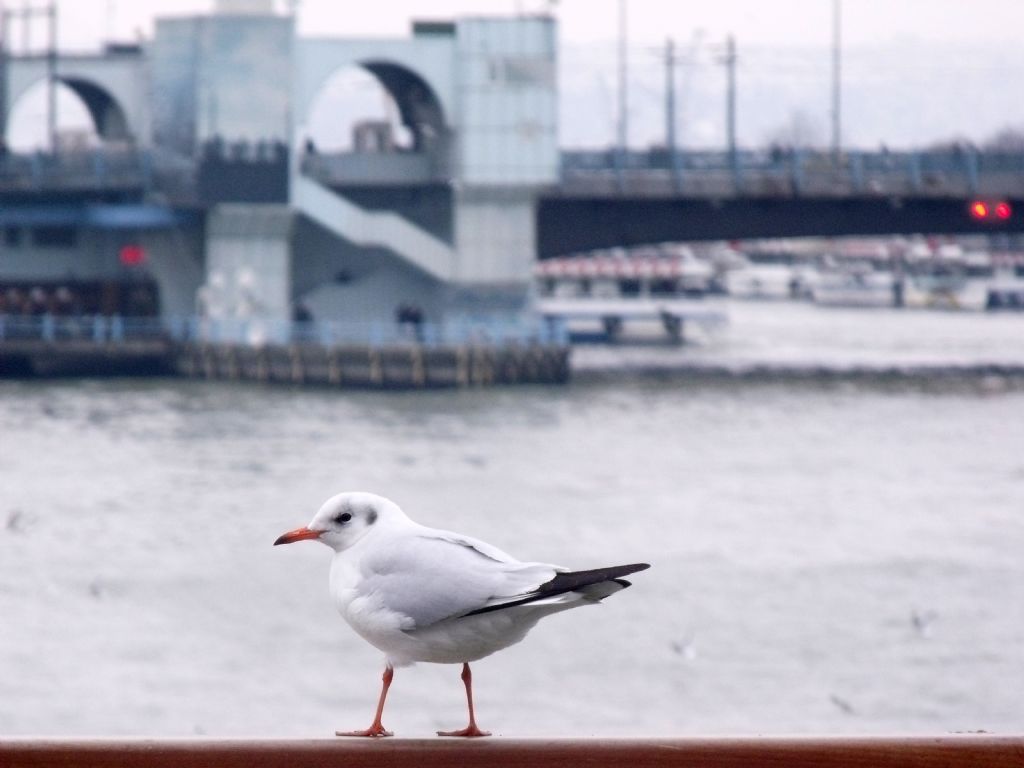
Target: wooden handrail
[973, 751]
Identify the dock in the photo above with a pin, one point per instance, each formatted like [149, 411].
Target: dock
[367, 366]
[367, 357]
[611, 315]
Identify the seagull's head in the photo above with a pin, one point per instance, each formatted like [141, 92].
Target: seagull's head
[344, 519]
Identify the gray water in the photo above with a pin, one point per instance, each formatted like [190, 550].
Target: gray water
[827, 557]
[803, 337]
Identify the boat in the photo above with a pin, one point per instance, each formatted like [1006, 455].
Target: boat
[620, 295]
[855, 284]
[1005, 291]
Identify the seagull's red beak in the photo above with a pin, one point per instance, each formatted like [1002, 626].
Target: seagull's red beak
[299, 534]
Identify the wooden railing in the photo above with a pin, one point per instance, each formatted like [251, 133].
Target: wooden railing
[968, 751]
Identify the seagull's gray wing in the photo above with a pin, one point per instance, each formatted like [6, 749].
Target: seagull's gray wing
[430, 576]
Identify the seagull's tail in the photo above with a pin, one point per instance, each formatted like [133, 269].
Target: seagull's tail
[571, 587]
[594, 585]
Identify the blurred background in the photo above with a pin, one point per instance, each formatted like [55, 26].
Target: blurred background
[736, 291]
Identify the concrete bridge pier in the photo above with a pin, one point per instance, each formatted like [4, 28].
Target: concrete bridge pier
[247, 291]
[495, 248]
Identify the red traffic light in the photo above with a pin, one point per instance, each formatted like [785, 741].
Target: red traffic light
[132, 255]
[990, 210]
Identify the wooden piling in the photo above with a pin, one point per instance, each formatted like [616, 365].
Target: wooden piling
[408, 366]
[334, 370]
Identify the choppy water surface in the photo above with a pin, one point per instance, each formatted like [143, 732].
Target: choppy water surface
[826, 558]
[802, 337]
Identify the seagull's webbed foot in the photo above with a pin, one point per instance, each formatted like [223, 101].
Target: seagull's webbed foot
[469, 732]
[375, 730]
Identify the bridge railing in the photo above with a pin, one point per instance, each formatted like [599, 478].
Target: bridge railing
[375, 168]
[99, 168]
[101, 329]
[454, 332]
[941, 751]
[773, 172]
[95, 329]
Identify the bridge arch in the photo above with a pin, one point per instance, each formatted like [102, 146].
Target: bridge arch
[423, 127]
[111, 87]
[418, 105]
[107, 115]
[80, 103]
[416, 74]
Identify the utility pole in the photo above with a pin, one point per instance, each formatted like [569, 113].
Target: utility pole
[623, 124]
[108, 22]
[670, 96]
[671, 137]
[3, 80]
[730, 104]
[836, 90]
[51, 78]
[26, 15]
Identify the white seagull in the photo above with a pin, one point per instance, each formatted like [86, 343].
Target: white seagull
[423, 594]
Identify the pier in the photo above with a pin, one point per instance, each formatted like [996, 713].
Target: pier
[324, 354]
[409, 366]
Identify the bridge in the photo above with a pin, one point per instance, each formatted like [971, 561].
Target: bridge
[595, 204]
[647, 197]
[204, 179]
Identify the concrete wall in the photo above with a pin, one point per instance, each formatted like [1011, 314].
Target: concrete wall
[226, 77]
[175, 84]
[429, 207]
[248, 264]
[336, 280]
[175, 260]
[494, 235]
[508, 112]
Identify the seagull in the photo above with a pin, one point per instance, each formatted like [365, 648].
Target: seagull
[424, 594]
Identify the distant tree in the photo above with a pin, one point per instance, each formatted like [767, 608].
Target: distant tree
[800, 131]
[952, 144]
[1009, 139]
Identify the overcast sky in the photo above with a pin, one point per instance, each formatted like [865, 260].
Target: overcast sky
[914, 71]
[84, 23]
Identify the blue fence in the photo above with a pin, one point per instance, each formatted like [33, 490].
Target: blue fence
[101, 329]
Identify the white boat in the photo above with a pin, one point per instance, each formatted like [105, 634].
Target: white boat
[653, 288]
[855, 285]
[951, 279]
[765, 281]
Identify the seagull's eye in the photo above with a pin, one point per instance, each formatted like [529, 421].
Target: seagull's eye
[344, 517]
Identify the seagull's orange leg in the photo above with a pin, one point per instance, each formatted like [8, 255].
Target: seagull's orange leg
[470, 730]
[376, 728]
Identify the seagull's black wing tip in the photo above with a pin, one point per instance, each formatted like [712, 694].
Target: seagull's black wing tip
[625, 569]
[570, 581]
